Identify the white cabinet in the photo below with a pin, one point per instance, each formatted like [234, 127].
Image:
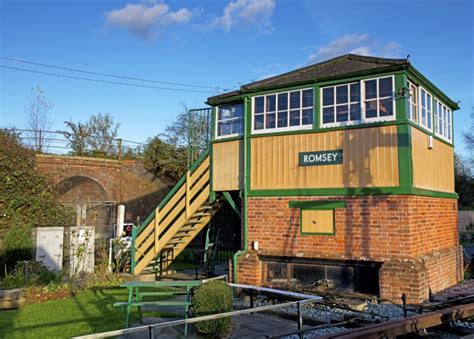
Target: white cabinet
[48, 246]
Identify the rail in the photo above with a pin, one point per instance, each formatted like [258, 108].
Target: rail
[151, 328]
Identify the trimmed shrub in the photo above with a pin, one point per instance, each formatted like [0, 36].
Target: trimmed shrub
[211, 298]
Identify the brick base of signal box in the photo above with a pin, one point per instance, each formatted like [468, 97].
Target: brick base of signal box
[413, 238]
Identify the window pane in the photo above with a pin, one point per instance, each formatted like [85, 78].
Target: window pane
[370, 89]
[371, 109]
[328, 115]
[283, 101]
[355, 112]
[294, 118]
[224, 128]
[307, 116]
[224, 113]
[386, 107]
[308, 98]
[237, 126]
[423, 98]
[270, 121]
[259, 104]
[295, 99]
[283, 119]
[258, 122]
[342, 113]
[271, 103]
[423, 115]
[328, 96]
[355, 92]
[385, 87]
[341, 94]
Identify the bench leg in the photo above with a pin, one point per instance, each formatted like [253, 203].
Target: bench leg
[129, 308]
[186, 325]
[140, 316]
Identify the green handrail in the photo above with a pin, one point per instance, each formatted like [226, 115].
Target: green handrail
[137, 231]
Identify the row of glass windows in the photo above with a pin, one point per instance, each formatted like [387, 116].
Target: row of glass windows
[353, 103]
[287, 110]
[427, 111]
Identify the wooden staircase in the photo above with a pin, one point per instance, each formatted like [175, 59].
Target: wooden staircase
[179, 218]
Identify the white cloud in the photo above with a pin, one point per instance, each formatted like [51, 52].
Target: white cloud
[147, 19]
[357, 43]
[248, 12]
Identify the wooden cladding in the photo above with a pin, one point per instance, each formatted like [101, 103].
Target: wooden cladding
[432, 168]
[370, 160]
[227, 165]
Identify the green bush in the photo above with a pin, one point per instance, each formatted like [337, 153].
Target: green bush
[28, 274]
[211, 298]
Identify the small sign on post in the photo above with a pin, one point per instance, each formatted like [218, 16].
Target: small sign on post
[319, 158]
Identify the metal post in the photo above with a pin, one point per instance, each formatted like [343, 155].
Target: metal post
[120, 151]
[150, 332]
[300, 319]
[404, 301]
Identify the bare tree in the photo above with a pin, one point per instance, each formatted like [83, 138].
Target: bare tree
[103, 133]
[469, 138]
[38, 117]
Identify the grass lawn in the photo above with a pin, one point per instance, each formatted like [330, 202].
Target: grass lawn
[86, 313]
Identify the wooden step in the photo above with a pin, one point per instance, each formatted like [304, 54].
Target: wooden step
[175, 242]
[201, 214]
[185, 229]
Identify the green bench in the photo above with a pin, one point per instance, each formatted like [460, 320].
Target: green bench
[137, 290]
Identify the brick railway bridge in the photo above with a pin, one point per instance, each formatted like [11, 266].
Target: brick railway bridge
[98, 185]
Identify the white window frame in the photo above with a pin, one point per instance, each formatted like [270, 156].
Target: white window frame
[216, 124]
[362, 105]
[277, 129]
[335, 104]
[421, 108]
[413, 90]
[446, 131]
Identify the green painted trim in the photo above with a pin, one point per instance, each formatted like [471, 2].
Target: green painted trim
[357, 191]
[232, 203]
[316, 112]
[317, 205]
[216, 141]
[246, 188]
[132, 252]
[333, 233]
[329, 129]
[419, 78]
[405, 161]
[212, 194]
[401, 104]
[424, 130]
[434, 194]
[229, 100]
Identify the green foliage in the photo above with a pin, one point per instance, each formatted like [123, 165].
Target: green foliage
[166, 161]
[27, 199]
[464, 182]
[211, 298]
[96, 137]
[30, 273]
[168, 156]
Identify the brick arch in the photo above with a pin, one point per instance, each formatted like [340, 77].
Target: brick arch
[81, 188]
[104, 172]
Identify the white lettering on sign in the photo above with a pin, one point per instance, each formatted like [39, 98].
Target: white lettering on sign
[320, 158]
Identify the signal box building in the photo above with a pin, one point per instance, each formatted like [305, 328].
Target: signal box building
[346, 172]
[344, 175]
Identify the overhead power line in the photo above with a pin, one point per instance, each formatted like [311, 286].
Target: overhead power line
[106, 81]
[113, 75]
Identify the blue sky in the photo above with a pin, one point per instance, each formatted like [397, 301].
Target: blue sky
[215, 43]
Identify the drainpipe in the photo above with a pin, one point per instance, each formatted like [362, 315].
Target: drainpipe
[246, 181]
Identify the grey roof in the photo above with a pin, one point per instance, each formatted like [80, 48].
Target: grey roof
[341, 66]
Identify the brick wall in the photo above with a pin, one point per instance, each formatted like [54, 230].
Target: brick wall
[414, 237]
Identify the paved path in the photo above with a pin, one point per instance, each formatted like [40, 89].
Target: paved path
[244, 326]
